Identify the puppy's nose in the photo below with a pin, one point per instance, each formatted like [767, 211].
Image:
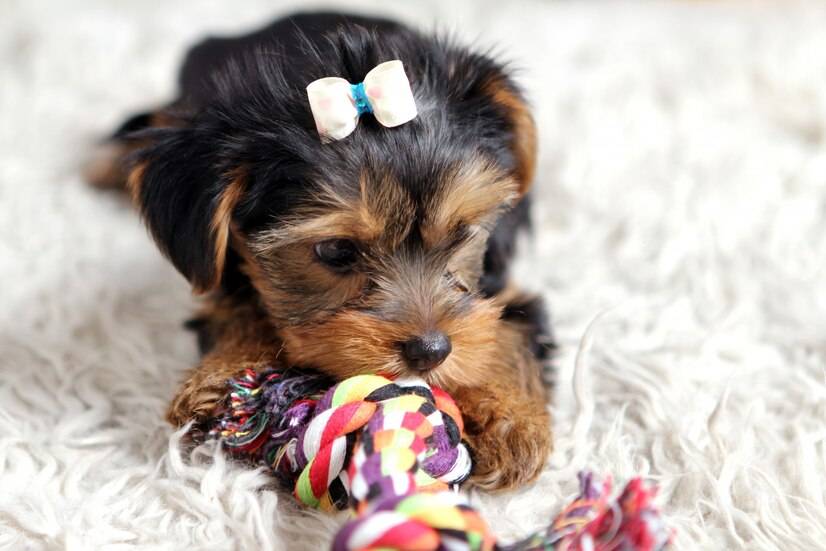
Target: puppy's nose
[427, 351]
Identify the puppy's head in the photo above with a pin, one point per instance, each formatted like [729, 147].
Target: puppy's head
[365, 252]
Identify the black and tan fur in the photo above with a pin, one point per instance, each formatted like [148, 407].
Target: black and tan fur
[239, 192]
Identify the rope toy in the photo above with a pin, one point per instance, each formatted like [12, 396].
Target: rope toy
[392, 451]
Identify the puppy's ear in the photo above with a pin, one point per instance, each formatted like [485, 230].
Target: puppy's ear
[187, 202]
[508, 98]
[487, 92]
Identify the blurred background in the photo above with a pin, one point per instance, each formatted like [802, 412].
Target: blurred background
[680, 240]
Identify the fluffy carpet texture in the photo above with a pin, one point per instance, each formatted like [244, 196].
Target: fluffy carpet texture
[680, 240]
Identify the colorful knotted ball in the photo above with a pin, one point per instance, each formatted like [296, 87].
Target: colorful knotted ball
[421, 447]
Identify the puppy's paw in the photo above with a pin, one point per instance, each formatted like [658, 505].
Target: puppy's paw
[509, 444]
[199, 397]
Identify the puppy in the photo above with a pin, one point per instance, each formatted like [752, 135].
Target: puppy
[385, 250]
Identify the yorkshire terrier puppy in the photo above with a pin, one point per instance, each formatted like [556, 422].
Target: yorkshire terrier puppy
[382, 248]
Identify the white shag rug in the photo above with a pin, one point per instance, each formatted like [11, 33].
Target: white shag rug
[680, 241]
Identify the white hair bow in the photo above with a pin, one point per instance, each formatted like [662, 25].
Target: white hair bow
[336, 104]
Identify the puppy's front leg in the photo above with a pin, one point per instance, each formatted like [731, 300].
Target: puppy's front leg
[237, 340]
[509, 434]
[507, 423]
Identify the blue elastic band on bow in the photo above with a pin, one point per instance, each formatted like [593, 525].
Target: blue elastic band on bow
[360, 98]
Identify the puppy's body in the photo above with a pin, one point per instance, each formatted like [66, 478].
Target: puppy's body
[386, 251]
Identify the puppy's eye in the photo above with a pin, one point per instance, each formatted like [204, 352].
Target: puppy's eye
[337, 254]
